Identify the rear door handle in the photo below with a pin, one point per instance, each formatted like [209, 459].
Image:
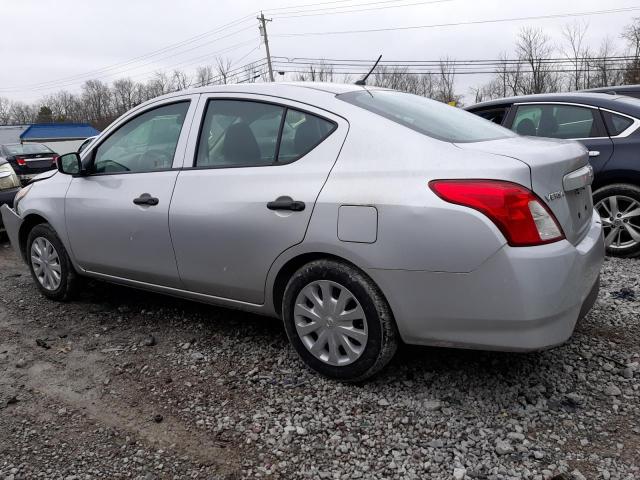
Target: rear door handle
[594, 153]
[146, 199]
[286, 203]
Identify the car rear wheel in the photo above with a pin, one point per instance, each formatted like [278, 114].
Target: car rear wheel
[619, 208]
[49, 263]
[338, 321]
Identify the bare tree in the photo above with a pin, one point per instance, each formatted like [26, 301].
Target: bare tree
[5, 111]
[607, 70]
[124, 95]
[223, 68]
[631, 34]
[534, 48]
[204, 76]
[180, 80]
[96, 99]
[160, 84]
[445, 91]
[576, 51]
[21, 113]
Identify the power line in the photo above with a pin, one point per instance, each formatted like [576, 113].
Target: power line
[332, 11]
[140, 57]
[190, 61]
[456, 24]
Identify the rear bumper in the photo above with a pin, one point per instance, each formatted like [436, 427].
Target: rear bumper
[521, 299]
[6, 198]
[12, 223]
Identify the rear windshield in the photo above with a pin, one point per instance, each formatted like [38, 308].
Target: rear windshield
[27, 148]
[426, 116]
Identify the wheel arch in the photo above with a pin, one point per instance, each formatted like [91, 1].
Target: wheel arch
[291, 265]
[29, 222]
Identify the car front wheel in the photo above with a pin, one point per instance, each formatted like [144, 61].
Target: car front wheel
[338, 321]
[49, 263]
[619, 208]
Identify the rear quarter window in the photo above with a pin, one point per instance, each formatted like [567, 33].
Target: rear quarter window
[616, 124]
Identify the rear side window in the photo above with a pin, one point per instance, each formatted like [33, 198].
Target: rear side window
[616, 124]
[27, 148]
[238, 133]
[556, 121]
[431, 118]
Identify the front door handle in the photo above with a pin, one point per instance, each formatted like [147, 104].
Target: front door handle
[146, 199]
[594, 153]
[286, 203]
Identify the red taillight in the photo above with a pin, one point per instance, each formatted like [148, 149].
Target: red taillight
[21, 161]
[519, 214]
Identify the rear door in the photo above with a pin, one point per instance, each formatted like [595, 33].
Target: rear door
[246, 194]
[567, 121]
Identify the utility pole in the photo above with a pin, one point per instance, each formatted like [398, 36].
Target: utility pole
[263, 32]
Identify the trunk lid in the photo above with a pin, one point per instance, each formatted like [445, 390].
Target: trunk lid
[560, 176]
[37, 162]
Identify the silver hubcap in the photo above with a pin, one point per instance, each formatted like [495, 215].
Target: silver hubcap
[620, 220]
[46, 263]
[331, 323]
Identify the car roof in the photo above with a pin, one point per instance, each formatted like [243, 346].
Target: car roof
[614, 89]
[620, 103]
[293, 90]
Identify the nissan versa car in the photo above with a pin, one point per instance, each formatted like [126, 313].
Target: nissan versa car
[609, 126]
[360, 216]
[29, 159]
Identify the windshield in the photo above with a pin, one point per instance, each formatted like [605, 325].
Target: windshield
[431, 118]
[27, 149]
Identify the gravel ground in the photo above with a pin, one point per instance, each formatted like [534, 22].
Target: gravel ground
[126, 384]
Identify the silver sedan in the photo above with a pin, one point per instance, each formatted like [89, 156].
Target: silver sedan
[362, 217]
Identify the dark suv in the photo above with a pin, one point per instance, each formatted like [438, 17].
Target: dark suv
[28, 159]
[609, 126]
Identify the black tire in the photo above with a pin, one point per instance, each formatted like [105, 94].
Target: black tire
[69, 280]
[382, 341]
[625, 191]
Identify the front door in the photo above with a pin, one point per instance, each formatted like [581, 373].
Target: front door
[248, 194]
[117, 216]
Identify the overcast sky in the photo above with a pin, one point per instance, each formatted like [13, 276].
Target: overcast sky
[52, 40]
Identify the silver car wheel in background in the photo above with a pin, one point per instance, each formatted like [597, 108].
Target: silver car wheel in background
[620, 220]
[331, 322]
[46, 263]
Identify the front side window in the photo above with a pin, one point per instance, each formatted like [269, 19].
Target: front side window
[431, 118]
[144, 144]
[246, 133]
[555, 121]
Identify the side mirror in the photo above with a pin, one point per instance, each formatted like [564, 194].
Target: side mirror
[69, 164]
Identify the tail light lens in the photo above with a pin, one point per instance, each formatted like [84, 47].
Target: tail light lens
[519, 214]
[21, 161]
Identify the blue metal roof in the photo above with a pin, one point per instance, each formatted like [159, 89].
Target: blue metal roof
[58, 131]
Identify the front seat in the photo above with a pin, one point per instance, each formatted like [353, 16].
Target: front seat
[548, 123]
[240, 146]
[526, 127]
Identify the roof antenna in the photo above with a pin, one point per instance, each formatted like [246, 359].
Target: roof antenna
[363, 81]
